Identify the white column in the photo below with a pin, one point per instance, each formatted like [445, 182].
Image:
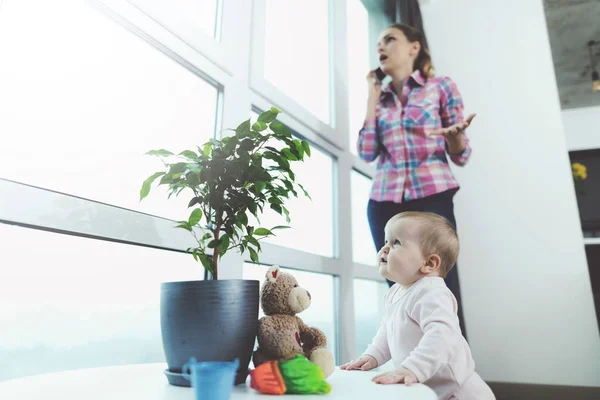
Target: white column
[526, 287]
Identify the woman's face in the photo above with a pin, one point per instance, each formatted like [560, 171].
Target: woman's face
[395, 51]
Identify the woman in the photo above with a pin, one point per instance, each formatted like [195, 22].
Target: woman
[412, 126]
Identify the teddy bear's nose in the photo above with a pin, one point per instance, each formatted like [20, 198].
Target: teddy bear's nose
[308, 293]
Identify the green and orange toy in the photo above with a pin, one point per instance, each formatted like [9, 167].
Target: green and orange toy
[298, 376]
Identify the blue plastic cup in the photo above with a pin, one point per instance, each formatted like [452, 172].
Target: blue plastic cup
[211, 380]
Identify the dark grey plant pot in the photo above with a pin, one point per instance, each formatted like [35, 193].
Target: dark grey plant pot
[210, 320]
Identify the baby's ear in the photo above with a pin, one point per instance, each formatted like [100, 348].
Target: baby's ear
[432, 264]
[273, 273]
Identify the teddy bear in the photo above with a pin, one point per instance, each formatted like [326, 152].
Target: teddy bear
[281, 333]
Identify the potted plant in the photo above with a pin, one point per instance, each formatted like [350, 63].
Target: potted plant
[227, 179]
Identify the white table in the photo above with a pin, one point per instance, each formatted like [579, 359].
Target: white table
[147, 382]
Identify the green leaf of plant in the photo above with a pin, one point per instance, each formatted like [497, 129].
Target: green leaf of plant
[206, 149]
[304, 190]
[192, 179]
[246, 145]
[280, 227]
[253, 208]
[148, 183]
[184, 225]
[259, 186]
[194, 201]
[195, 217]
[306, 147]
[194, 167]
[269, 155]
[289, 155]
[242, 218]
[287, 214]
[275, 200]
[280, 129]
[161, 152]
[257, 160]
[230, 143]
[262, 232]
[298, 149]
[289, 186]
[206, 236]
[251, 239]
[177, 168]
[259, 126]
[206, 262]
[167, 179]
[277, 208]
[243, 129]
[224, 243]
[283, 163]
[189, 154]
[253, 255]
[268, 116]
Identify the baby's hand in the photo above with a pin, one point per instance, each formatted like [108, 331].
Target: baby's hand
[398, 376]
[364, 363]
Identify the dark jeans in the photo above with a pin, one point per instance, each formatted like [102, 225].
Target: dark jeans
[442, 204]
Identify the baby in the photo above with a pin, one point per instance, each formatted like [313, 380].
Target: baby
[420, 331]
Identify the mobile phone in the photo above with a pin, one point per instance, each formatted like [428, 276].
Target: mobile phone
[379, 74]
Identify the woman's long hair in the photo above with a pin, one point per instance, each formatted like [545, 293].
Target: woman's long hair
[423, 60]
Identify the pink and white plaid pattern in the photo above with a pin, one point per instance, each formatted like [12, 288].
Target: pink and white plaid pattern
[411, 164]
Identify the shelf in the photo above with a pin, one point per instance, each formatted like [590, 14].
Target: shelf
[588, 241]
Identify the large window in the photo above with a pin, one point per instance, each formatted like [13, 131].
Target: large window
[83, 99]
[311, 218]
[363, 249]
[68, 302]
[358, 67]
[88, 87]
[297, 52]
[185, 17]
[368, 311]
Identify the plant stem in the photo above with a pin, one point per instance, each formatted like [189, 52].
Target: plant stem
[216, 234]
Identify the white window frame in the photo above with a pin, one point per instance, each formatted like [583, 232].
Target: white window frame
[331, 130]
[234, 17]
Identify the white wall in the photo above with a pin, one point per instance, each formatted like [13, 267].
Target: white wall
[582, 128]
[527, 293]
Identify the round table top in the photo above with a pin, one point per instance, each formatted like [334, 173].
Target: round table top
[148, 382]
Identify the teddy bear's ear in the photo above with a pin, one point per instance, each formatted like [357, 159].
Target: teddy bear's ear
[273, 273]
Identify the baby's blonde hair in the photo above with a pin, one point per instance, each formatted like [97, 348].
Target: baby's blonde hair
[436, 236]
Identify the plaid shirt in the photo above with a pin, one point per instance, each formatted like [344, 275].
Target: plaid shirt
[413, 165]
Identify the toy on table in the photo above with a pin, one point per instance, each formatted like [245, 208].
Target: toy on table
[298, 376]
[211, 379]
[281, 333]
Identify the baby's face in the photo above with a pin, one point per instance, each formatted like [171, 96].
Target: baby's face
[400, 260]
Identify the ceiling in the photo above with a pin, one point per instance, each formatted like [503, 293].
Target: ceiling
[571, 24]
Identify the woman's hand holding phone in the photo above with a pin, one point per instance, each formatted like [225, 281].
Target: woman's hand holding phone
[374, 84]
